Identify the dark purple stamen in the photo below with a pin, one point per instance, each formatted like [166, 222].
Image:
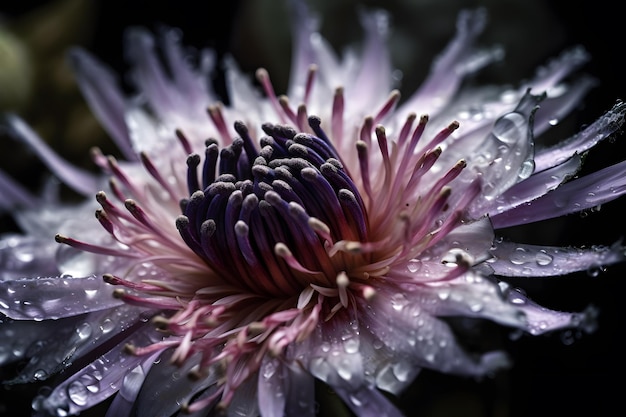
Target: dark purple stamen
[252, 205]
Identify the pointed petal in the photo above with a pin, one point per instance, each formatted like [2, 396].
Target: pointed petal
[14, 195]
[535, 186]
[99, 380]
[167, 387]
[367, 401]
[448, 70]
[100, 88]
[53, 298]
[74, 337]
[23, 256]
[604, 127]
[516, 260]
[577, 195]
[80, 180]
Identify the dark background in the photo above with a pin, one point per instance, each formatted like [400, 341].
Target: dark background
[550, 377]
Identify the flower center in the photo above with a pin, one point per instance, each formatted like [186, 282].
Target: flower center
[251, 210]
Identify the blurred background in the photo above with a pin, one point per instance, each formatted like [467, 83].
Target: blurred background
[551, 376]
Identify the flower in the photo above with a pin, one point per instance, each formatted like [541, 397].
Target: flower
[253, 248]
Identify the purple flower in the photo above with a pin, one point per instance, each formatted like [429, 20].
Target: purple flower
[244, 251]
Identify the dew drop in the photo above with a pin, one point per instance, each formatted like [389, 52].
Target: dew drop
[398, 301]
[510, 128]
[543, 259]
[269, 369]
[414, 265]
[77, 393]
[84, 330]
[344, 370]
[107, 325]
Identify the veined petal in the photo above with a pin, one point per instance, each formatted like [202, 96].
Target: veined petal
[577, 195]
[100, 88]
[98, 380]
[517, 260]
[55, 297]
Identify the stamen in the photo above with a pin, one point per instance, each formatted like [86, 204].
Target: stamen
[310, 79]
[389, 105]
[217, 116]
[88, 247]
[183, 141]
[336, 121]
[156, 174]
[284, 104]
[283, 251]
[266, 84]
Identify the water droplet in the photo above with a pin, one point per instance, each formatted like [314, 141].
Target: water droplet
[84, 330]
[77, 393]
[107, 325]
[355, 400]
[344, 369]
[543, 259]
[91, 382]
[40, 374]
[351, 345]
[414, 265]
[594, 270]
[398, 301]
[510, 128]
[553, 122]
[269, 369]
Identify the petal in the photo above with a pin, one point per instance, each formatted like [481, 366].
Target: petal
[53, 298]
[599, 130]
[74, 337]
[516, 260]
[535, 186]
[448, 70]
[26, 256]
[285, 389]
[577, 195]
[505, 156]
[14, 195]
[78, 179]
[100, 88]
[556, 108]
[367, 401]
[167, 386]
[542, 320]
[99, 380]
[410, 331]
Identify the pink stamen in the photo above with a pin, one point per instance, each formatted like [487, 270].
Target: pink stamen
[88, 247]
[156, 174]
[217, 116]
[310, 79]
[284, 104]
[388, 106]
[266, 84]
[336, 121]
[184, 141]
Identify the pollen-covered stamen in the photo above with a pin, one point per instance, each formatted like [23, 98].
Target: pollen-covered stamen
[246, 223]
